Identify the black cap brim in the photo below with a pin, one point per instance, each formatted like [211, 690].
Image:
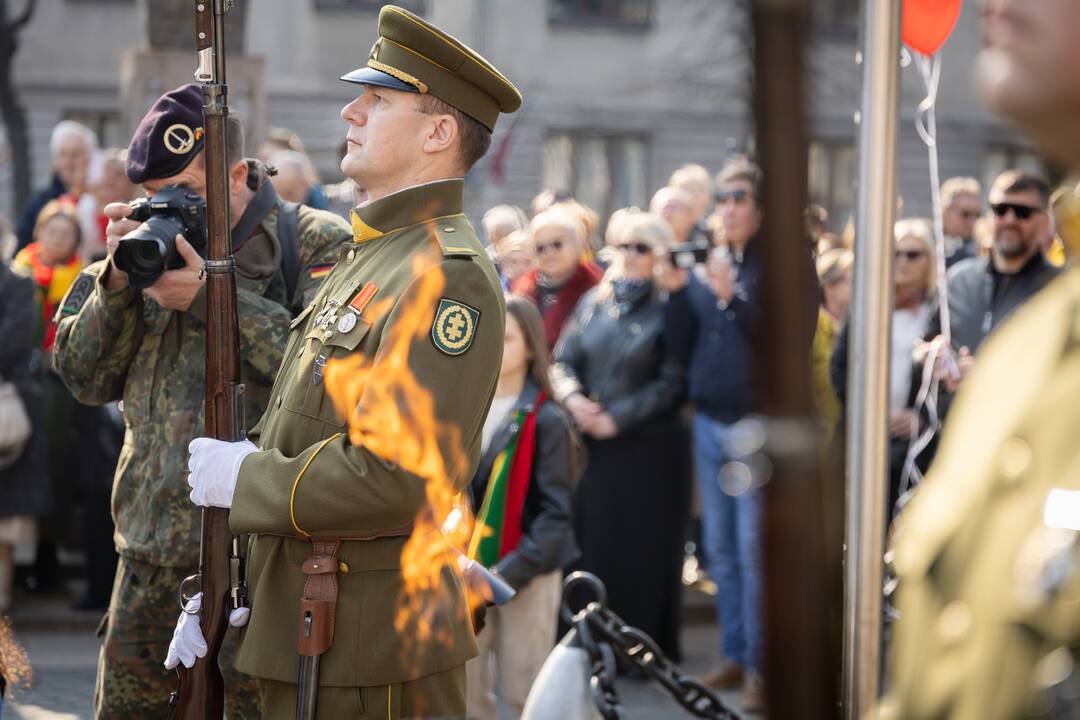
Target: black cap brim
[371, 76]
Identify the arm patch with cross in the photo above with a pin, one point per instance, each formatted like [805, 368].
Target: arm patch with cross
[454, 327]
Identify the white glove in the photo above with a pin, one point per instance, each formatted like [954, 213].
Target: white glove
[213, 466]
[188, 642]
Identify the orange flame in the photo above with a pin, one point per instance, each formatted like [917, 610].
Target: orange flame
[398, 423]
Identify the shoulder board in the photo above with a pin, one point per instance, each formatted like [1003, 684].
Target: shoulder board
[456, 240]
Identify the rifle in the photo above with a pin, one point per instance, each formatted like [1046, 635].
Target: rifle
[201, 690]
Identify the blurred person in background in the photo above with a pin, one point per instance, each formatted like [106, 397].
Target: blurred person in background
[514, 257]
[72, 144]
[343, 196]
[53, 262]
[23, 473]
[293, 180]
[278, 140]
[816, 222]
[914, 287]
[676, 206]
[500, 221]
[111, 185]
[560, 277]
[522, 498]
[694, 180]
[712, 320]
[834, 269]
[984, 291]
[961, 207]
[616, 376]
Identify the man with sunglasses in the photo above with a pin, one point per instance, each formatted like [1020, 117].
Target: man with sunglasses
[985, 291]
[987, 551]
[961, 202]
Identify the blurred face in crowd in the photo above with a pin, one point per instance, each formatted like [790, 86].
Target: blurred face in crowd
[114, 185]
[558, 251]
[912, 267]
[496, 229]
[71, 160]
[58, 238]
[675, 207]
[739, 212]
[638, 258]
[1017, 237]
[837, 294]
[290, 183]
[961, 215]
[1027, 70]
[516, 354]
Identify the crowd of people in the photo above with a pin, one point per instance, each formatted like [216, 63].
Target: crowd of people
[624, 377]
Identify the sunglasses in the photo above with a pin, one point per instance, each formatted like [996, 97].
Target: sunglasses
[738, 196]
[910, 255]
[553, 246]
[1022, 212]
[640, 248]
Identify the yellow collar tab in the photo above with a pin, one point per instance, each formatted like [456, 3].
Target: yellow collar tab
[407, 207]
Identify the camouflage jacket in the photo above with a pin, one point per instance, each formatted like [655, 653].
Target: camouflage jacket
[123, 346]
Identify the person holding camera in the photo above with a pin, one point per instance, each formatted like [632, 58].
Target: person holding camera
[133, 328]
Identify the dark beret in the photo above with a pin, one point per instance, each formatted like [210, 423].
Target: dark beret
[169, 136]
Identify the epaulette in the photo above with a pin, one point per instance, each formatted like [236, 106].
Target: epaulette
[454, 242]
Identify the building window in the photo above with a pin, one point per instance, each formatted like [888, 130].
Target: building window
[630, 13]
[604, 171]
[832, 180]
[1000, 158]
[373, 6]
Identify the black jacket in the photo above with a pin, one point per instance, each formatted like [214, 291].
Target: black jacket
[615, 354]
[547, 530]
[981, 298]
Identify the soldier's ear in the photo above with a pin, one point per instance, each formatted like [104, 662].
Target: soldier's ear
[442, 134]
[238, 175]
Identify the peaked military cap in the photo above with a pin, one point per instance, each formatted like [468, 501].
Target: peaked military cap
[415, 56]
[169, 136]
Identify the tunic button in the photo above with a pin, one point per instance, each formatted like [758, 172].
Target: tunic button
[349, 256]
[279, 401]
[448, 229]
[1015, 459]
[954, 623]
[343, 567]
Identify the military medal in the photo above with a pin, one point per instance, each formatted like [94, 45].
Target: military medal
[317, 374]
[347, 322]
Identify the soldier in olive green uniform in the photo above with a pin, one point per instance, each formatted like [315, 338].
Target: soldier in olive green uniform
[425, 116]
[148, 350]
[988, 551]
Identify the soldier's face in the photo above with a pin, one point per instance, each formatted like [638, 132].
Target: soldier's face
[1026, 70]
[384, 139]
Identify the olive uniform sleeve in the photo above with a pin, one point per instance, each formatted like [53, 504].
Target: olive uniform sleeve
[98, 333]
[321, 236]
[338, 488]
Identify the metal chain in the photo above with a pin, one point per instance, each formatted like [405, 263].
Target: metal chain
[606, 638]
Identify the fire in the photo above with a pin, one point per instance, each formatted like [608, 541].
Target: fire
[397, 421]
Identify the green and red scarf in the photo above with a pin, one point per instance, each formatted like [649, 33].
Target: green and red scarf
[498, 525]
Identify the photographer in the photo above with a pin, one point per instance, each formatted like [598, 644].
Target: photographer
[148, 349]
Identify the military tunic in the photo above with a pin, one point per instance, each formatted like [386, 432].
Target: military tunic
[120, 345]
[988, 550]
[347, 490]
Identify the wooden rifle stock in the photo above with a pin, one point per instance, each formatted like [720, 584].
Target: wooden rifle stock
[201, 690]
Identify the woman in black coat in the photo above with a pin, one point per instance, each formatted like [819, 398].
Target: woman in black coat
[24, 488]
[622, 388]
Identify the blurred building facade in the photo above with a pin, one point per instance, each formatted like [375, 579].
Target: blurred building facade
[618, 92]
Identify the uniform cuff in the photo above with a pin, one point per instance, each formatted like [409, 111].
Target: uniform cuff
[113, 300]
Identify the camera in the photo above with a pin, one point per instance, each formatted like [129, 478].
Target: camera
[150, 249]
[687, 255]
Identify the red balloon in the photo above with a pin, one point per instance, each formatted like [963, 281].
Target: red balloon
[929, 23]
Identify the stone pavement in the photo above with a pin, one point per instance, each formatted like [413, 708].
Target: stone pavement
[63, 651]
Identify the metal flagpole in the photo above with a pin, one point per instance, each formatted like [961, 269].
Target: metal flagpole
[868, 366]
